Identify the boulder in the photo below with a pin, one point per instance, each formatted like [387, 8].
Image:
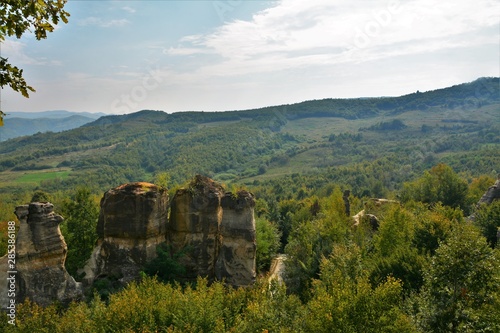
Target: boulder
[40, 256]
[132, 223]
[236, 262]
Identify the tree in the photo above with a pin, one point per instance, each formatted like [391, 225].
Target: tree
[487, 218]
[462, 285]
[79, 229]
[18, 17]
[268, 243]
[440, 184]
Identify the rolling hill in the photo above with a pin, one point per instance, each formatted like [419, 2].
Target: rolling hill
[368, 143]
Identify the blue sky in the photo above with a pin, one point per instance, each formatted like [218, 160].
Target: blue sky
[124, 56]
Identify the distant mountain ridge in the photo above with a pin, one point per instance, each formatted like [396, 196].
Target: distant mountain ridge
[18, 124]
[53, 114]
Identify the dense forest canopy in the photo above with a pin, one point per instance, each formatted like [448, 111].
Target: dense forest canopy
[426, 261]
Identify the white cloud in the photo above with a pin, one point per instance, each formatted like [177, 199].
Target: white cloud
[301, 33]
[15, 50]
[129, 9]
[103, 23]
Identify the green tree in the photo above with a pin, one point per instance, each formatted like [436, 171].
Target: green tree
[166, 265]
[440, 184]
[344, 301]
[18, 17]
[81, 213]
[268, 243]
[162, 179]
[462, 285]
[487, 218]
[40, 196]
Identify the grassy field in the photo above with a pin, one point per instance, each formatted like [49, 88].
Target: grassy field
[38, 177]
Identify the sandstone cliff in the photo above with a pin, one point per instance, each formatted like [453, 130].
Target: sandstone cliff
[236, 261]
[132, 223]
[216, 230]
[194, 226]
[40, 256]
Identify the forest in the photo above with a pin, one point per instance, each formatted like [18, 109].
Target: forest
[431, 263]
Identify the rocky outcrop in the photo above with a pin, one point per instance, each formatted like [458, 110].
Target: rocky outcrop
[193, 228]
[277, 271]
[236, 262]
[492, 194]
[215, 231]
[132, 223]
[373, 208]
[40, 256]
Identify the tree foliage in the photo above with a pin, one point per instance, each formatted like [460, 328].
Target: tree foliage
[487, 218]
[440, 184]
[81, 213]
[268, 243]
[462, 285]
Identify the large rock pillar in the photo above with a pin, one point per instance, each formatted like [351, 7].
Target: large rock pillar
[40, 257]
[194, 226]
[132, 223]
[236, 262]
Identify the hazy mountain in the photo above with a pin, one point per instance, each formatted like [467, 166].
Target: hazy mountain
[16, 127]
[53, 114]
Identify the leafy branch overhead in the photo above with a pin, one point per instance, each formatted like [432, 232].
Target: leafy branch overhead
[19, 17]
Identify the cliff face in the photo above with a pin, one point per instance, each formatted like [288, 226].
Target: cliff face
[216, 230]
[194, 226]
[236, 261]
[132, 223]
[40, 256]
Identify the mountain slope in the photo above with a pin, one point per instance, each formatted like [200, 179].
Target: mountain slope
[336, 138]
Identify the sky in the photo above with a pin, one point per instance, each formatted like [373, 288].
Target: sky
[119, 57]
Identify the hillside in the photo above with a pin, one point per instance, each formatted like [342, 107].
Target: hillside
[330, 140]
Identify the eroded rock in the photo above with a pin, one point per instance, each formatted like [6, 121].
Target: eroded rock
[236, 262]
[40, 256]
[215, 231]
[194, 224]
[132, 223]
[492, 194]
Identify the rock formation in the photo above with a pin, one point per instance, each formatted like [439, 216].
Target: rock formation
[132, 223]
[236, 262]
[492, 194]
[40, 256]
[215, 230]
[373, 205]
[193, 227]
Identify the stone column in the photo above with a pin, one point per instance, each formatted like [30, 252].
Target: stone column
[236, 262]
